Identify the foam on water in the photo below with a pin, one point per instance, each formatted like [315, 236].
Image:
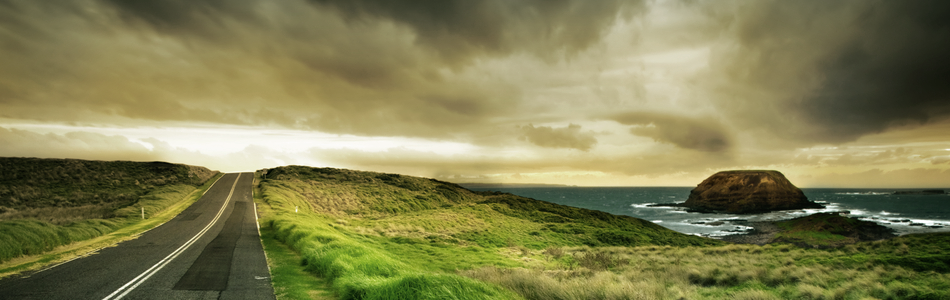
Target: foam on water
[927, 213]
[864, 193]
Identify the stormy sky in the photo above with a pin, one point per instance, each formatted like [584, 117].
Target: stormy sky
[610, 93]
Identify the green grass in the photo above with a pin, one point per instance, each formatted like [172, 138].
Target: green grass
[47, 203]
[829, 230]
[290, 281]
[31, 237]
[31, 244]
[445, 212]
[358, 270]
[28, 184]
[358, 266]
[385, 236]
[373, 236]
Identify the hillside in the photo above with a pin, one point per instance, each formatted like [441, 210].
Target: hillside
[371, 235]
[386, 236]
[47, 203]
[64, 190]
[440, 211]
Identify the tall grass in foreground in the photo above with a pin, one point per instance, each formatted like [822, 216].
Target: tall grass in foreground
[359, 271]
[735, 271]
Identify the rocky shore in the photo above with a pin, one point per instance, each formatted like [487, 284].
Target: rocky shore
[823, 230]
[761, 234]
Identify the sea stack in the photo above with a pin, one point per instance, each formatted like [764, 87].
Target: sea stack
[747, 192]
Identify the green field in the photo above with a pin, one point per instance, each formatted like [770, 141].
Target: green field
[51, 203]
[365, 235]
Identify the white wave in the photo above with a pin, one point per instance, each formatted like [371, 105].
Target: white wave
[863, 193]
[859, 212]
[657, 221]
[910, 225]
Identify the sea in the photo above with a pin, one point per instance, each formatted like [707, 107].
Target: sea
[905, 213]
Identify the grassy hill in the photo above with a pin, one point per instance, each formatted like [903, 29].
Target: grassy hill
[46, 203]
[373, 234]
[433, 211]
[384, 236]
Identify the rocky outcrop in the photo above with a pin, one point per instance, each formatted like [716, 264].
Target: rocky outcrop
[829, 230]
[821, 230]
[747, 192]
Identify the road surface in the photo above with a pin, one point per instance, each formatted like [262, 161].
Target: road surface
[211, 250]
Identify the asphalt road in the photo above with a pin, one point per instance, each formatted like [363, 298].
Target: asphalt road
[211, 250]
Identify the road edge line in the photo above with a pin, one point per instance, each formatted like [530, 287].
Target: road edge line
[155, 268]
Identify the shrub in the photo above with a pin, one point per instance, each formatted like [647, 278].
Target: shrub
[599, 260]
[554, 252]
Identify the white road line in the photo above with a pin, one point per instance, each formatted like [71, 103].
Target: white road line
[257, 221]
[111, 245]
[135, 282]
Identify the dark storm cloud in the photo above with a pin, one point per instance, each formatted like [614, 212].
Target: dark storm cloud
[366, 68]
[187, 16]
[567, 137]
[832, 71]
[458, 29]
[703, 134]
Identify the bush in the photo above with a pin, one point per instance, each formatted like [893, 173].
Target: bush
[554, 252]
[599, 260]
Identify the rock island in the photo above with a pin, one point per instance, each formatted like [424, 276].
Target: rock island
[747, 192]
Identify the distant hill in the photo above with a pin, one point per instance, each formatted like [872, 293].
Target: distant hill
[476, 185]
[38, 183]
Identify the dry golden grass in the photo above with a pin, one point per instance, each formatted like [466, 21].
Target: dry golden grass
[733, 271]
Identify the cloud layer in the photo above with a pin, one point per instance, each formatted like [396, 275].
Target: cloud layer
[702, 133]
[625, 88]
[568, 137]
[833, 71]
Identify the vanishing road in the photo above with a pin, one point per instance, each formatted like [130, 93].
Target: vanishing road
[211, 250]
